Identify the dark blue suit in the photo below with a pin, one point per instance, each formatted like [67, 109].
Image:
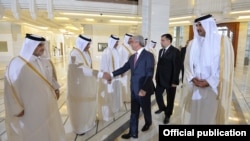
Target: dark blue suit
[141, 78]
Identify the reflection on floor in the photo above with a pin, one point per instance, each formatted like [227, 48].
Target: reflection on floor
[240, 109]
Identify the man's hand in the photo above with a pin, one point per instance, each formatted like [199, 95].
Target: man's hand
[106, 76]
[142, 93]
[203, 83]
[200, 82]
[195, 81]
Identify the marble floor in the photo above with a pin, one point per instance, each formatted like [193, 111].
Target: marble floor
[240, 109]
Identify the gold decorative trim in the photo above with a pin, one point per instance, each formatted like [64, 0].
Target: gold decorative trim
[39, 74]
[86, 62]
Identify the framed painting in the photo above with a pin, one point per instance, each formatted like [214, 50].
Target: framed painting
[102, 46]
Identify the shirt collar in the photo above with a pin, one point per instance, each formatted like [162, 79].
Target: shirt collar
[166, 48]
[139, 51]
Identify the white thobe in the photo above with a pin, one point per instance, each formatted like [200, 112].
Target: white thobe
[109, 95]
[81, 92]
[209, 105]
[153, 51]
[35, 94]
[125, 52]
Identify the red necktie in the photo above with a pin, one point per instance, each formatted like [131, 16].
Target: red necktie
[135, 59]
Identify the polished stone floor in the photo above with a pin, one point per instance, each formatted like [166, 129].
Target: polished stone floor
[240, 109]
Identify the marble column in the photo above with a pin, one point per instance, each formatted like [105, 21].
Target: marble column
[155, 19]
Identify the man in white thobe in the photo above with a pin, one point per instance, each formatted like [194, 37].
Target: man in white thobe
[151, 48]
[209, 67]
[125, 51]
[30, 95]
[82, 87]
[146, 42]
[109, 93]
[126, 44]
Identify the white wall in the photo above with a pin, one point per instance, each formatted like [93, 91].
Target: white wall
[11, 33]
[6, 56]
[101, 34]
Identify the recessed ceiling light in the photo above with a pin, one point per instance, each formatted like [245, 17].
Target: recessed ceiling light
[180, 18]
[244, 17]
[240, 12]
[180, 22]
[72, 27]
[123, 21]
[35, 26]
[61, 18]
[101, 15]
[89, 19]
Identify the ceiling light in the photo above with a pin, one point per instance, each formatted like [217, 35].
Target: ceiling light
[122, 21]
[244, 17]
[4, 18]
[62, 30]
[100, 15]
[180, 18]
[114, 16]
[89, 19]
[71, 27]
[180, 22]
[40, 27]
[61, 18]
[240, 12]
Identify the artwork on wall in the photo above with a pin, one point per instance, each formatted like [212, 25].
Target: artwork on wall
[3, 46]
[102, 46]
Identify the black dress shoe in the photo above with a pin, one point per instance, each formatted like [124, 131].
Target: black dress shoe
[127, 136]
[158, 111]
[166, 120]
[145, 127]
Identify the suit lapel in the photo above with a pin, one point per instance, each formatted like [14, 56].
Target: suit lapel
[139, 58]
[168, 51]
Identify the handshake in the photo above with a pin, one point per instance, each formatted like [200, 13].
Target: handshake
[107, 77]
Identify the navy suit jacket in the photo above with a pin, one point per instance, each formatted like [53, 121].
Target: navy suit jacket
[141, 73]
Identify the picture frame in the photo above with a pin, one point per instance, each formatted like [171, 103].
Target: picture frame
[3, 46]
[101, 46]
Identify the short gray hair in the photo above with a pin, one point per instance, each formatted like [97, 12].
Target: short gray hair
[139, 39]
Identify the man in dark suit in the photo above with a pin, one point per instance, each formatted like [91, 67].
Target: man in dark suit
[141, 65]
[167, 76]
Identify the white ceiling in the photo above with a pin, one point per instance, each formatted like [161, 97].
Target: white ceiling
[72, 15]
